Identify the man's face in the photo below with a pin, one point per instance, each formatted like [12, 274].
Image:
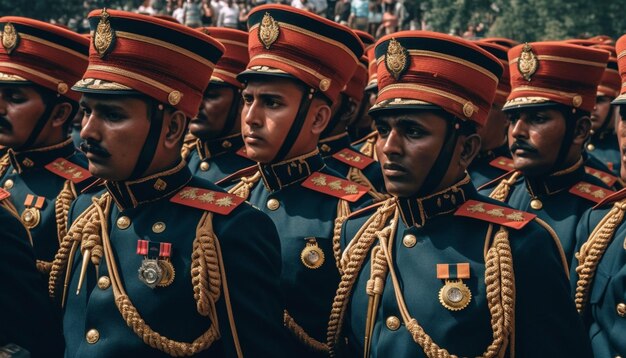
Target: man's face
[535, 137]
[115, 127]
[621, 138]
[213, 113]
[600, 112]
[20, 109]
[269, 109]
[407, 147]
[494, 132]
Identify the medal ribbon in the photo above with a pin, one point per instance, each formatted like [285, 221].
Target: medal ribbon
[148, 248]
[453, 271]
[30, 201]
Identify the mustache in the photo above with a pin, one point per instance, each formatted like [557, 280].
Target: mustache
[87, 146]
[4, 123]
[520, 144]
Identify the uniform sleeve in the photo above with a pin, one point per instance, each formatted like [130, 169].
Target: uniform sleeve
[252, 260]
[29, 318]
[547, 324]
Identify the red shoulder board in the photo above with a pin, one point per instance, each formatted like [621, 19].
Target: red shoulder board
[606, 178]
[333, 186]
[617, 196]
[503, 163]
[496, 214]
[4, 194]
[372, 134]
[209, 200]
[242, 152]
[590, 191]
[353, 159]
[68, 170]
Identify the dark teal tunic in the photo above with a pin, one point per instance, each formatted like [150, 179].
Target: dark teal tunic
[605, 147]
[481, 171]
[219, 156]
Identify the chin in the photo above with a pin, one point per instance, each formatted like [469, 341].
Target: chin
[105, 173]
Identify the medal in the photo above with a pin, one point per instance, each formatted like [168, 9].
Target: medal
[31, 216]
[454, 295]
[312, 256]
[156, 268]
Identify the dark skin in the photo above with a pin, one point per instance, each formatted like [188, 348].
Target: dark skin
[408, 146]
[117, 127]
[621, 138]
[535, 136]
[214, 110]
[601, 111]
[493, 133]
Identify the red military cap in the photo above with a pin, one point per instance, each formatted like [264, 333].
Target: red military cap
[504, 85]
[235, 56]
[289, 42]
[423, 69]
[620, 48]
[603, 39]
[611, 82]
[167, 61]
[502, 41]
[555, 72]
[365, 38]
[38, 52]
[372, 69]
[356, 86]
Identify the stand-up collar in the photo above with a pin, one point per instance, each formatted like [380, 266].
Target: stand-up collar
[131, 194]
[278, 175]
[331, 145]
[39, 157]
[417, 211]
[212, 148]
[556, 182]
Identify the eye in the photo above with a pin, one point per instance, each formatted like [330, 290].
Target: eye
[382, 129]
[272, 103]
[415, 132]
[539, 119]
[247, 99]
[113, 116]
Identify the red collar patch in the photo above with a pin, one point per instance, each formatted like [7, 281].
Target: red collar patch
[209, 200]
[333, 186]
[606, 178]
[590, 192]
[68, 170]
[513, 218]
[353, 159]
[503, 163]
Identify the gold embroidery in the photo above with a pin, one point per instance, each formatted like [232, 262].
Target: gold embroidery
[335, 185]
[207, 197]
[583, 187]
[104, 37]
[396, 59]
[319, 181]
[477, 208]
[351, 189]
[598, 194]
[268, 31]
[528, 62]
[10, 38]
[496, 212]
[60, 166]
[160, 184]
[225, 201]
[189, 193]
[516, 216]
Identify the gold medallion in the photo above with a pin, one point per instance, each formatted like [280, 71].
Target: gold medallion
[31, 217]
[268, 31]
[528, 63]
[396, 59]
[536, 204]
[312, 256]
[168, 273]
[10, 38]
[455, 295]
[104, 36]
[174, 97]
[151, 272]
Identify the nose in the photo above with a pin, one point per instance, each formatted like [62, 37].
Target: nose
[250, 114]
[518, 129]
[392, 144]
[89, 128]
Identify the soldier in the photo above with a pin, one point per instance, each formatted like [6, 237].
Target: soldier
[218, 151]
[25, 306]
[494, 158]
[361, 124]
[299, 63]
[599, 270]
[438, 269]
[553, 91]
[364, 134]
[41, 169]
[160, 262]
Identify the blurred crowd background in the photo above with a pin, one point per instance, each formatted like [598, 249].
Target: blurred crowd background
[522, 20]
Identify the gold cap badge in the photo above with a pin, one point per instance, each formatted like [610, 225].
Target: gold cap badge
[396, 59]
[268, 31]
[104, 37]
[312, 255]
[528, 62]
[10, 38]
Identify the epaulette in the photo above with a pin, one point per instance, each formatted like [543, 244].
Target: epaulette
[68, 170]
[496, 180]
[353, 159]
[334, 186]
[372, 134]
[208, 200]
[590, 191]
[245, 172]
[504, 163]
[496, 214]
[615, 197]
[363, 210]
[606, 178]
[4, 194]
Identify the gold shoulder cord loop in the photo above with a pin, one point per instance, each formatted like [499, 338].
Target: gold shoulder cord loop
[592, 251]
[188, 147]
[501, 192]
[357, 176]
[369, 148]
[243, 188]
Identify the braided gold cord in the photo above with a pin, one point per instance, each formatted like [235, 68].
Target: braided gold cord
[5, 162]
[592, 251]
[62, 207]
[44, 266]
[10, 207]
[189, 144]
[368, 148]
[243, 188]
[357, 176]
[343, 210]
[205, 268]
[302, 336]
[501, 192]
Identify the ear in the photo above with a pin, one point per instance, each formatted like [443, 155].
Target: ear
[582, 130]
[321, 116]
[175, 128]
[469, 149]
[60, 114]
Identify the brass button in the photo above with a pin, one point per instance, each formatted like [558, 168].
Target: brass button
[204, 166]
[123, 222]
[226, 144]
[409, 240]
[8, 184]
[325, 148]
[536, 204]
[92, 336]
[393, 323]
[158, 227]
[273, 204]
[591, 147]
[104, 282]
[621, 309]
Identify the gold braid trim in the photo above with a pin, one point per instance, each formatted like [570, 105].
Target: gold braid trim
[368, 148]
[5, 162]
[353, 260]
[357, 176]
[501, 192]
[44, 266]
[189, 144]
[592, 251]
[62, 207]
[8, 204]
[302, 336]
[243, 188]
[343, 210]
[205, 268]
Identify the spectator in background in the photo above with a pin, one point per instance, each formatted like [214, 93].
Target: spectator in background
[178, 12]
[207, 13]
[244, 9]
[359, 12]
[303, 5]
[375, 17]
[192, 13]
[229, 15]
[342, 12]
[470, 34]
[146, 8]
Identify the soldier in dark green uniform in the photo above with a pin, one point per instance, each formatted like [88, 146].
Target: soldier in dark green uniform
[41, 169]
[439, 270]
[28, 319]
[160, 263]
[299, 63]
[599, 269]
[218, 150]
[553, 91]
